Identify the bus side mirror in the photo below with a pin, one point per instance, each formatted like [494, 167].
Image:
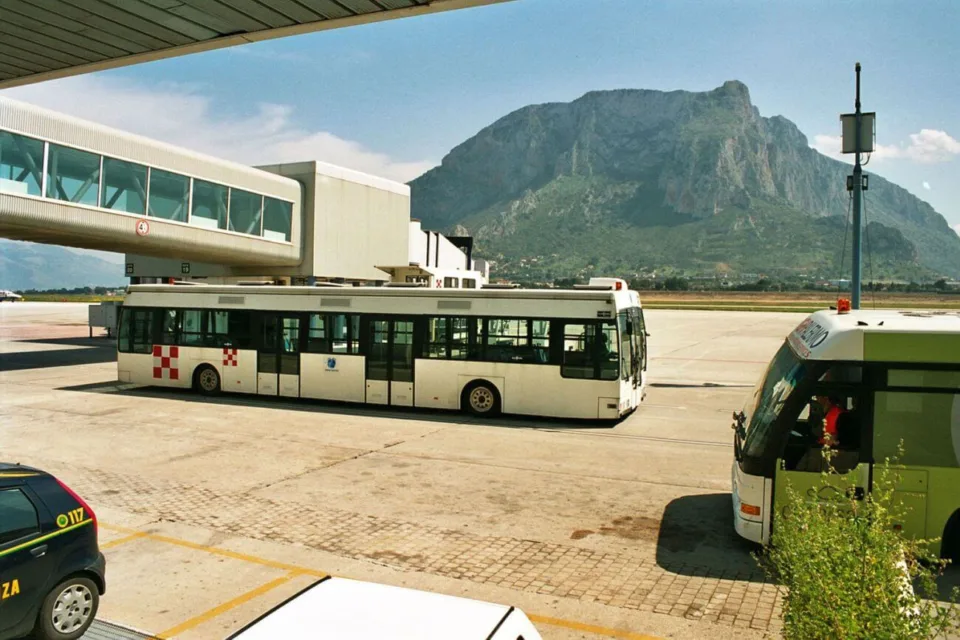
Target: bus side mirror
[646, 333]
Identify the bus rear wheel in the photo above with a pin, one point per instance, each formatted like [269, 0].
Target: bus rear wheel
[206, 380]
[481, 399]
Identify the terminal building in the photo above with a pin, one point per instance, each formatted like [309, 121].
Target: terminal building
[181, 215]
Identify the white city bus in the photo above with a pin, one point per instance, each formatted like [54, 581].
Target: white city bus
[577, 353]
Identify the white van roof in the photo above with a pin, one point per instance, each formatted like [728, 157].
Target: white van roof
[347, 609]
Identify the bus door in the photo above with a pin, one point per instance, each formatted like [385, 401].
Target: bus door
[801, 464]
[639, 337]
[389, 361]
[278, 356]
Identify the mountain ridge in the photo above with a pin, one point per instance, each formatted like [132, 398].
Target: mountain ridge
[633, 159]
[27, 265]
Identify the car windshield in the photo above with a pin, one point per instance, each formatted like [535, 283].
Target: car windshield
[785, 370]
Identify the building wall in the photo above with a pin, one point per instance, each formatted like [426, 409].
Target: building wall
[358, 221]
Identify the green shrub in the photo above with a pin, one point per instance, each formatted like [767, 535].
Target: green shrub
[848, 573]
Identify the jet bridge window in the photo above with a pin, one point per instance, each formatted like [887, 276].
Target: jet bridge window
[277, 219]
[169, 195]
[209, 205]
[124, 186]
[21, 163]
[245, 212]
[73, 175]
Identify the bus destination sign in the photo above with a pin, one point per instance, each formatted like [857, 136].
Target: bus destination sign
[808, 336]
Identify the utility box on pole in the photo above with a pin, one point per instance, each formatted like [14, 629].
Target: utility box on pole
[867, 132]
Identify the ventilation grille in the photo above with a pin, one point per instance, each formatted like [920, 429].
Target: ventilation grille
[335, 302]
[231, 300]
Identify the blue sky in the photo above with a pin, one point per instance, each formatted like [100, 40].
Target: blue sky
[393, 98]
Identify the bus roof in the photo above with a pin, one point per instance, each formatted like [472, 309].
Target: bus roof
[880, 335]
[141, 295]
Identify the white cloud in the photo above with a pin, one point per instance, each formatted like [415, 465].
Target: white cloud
[956, 228]
[926, 185]
[182, 115]
[930, 146]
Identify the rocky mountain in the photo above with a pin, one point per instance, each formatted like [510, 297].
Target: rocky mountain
[25, 265]
[635, 179]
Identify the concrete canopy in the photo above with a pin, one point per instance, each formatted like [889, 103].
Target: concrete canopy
[46, 39]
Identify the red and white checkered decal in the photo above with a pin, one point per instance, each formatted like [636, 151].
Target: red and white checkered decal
[165, 362]
[229, 357]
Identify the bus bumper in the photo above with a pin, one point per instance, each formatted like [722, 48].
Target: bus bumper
[748, 527]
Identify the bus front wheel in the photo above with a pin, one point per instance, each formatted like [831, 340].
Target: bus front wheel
[206, 380]
[950, 543]
[481, 399]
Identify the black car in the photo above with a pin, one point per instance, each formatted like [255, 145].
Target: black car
[51, 568]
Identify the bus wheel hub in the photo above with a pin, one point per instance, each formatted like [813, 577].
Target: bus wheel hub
[481, 399]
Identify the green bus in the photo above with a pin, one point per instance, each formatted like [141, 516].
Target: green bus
[873, 379]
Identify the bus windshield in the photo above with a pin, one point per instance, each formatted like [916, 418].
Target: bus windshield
[785, 370]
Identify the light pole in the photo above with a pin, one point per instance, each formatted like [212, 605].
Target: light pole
[858, 137]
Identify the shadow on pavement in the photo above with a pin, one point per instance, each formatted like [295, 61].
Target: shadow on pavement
[339, 408]
[697, 538]
[85, 351]
[949, 581]
[79, 341]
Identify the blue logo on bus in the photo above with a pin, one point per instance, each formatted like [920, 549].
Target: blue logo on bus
[331, 363]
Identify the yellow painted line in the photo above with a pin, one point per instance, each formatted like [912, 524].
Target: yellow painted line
[123, 540]
[220, 552]
[591, 628]
[296, 570]
[226, 606]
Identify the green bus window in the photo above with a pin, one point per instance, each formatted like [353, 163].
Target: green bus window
[923, 379]
[923, 421]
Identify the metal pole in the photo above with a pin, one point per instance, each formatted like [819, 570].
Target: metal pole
[857, 183]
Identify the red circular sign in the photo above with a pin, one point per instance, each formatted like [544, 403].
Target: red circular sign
[143, 227]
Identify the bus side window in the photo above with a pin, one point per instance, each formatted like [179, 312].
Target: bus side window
[169, 326]
[191, 328]
[240, 328]
[136, 330]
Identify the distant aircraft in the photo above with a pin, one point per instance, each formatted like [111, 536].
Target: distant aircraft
[9, 296]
